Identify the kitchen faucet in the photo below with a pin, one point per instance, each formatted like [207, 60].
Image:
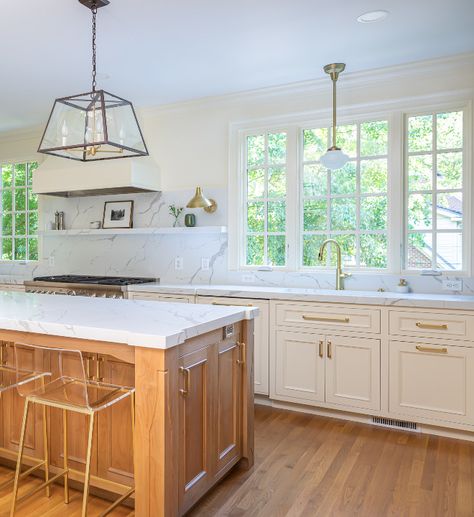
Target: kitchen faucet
[340, 275]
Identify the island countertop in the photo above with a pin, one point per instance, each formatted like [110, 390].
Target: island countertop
[131, 322]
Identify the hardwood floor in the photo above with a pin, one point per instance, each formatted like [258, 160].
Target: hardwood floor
[312, 466]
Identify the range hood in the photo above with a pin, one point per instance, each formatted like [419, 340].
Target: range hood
[68, 178]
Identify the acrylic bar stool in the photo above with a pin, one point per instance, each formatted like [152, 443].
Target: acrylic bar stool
[69, 390]
[12, 377]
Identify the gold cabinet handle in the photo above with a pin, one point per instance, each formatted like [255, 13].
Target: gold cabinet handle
[98, 369]
[231, 304]
[241, 346]
[422, 348]
[3, 348]
[326, 318]
[187, 380]
[89, 359]
[431, 326]
[329, 350]
[321, 349]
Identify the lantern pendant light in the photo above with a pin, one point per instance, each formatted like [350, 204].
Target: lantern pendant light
[334, 157]
[95, 125]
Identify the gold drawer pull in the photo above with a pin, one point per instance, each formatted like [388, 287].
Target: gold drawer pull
[431, 326]
[329, 350]
[321, 344]
[187, 380]
[242, 353]
[232, 304]
[421, 348]
[326, 318]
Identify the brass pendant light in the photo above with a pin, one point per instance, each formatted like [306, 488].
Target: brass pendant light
[95, 125]
[334, 157]
[201, 201]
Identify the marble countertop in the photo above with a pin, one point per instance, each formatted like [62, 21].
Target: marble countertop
[132, 322]
[434, 301]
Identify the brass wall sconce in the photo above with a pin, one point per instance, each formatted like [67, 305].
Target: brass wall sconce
[201, 201]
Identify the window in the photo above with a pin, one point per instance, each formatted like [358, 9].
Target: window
[435, 191]
[19, 212]
[265, 194]
[348, 204]
[398, 205]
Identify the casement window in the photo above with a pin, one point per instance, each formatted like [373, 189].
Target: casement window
[348, 204]
[19, 212]
[435, 185]
[397, 206]
[265, 199]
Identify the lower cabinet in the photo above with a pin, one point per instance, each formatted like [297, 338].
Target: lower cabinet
[315, 368]
[171, 298]
[261, 338]
[210, 417]
[432, 381]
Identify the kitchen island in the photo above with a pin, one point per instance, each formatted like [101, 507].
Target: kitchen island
[192, 368]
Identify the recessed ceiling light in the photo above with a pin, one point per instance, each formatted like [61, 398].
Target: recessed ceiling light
[373, 16]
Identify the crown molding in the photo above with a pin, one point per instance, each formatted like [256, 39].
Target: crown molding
[351, 80]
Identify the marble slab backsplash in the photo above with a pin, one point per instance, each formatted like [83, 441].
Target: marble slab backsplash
[154, 255]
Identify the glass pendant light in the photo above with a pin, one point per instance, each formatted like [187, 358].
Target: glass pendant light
[334, 157]
[95, 125]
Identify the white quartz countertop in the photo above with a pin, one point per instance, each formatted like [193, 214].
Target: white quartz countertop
[132, 322]
[435, 301]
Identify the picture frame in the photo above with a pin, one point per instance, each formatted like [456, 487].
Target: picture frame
[118, 214]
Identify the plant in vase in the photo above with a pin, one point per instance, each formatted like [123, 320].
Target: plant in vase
[175, 211]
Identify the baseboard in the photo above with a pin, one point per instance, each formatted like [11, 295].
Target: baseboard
[363, 419]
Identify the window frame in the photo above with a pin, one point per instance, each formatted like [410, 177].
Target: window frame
[27, 236]
[396, 113]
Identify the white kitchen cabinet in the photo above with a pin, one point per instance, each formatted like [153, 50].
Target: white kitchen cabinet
[261, 341]
[432, 381]
[353, 372]
[299, 367]
[172, 298]
[312, 368]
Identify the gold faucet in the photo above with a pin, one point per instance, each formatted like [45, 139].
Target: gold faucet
[340, 275]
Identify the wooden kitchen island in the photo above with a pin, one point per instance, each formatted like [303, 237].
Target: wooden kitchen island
[192, 368]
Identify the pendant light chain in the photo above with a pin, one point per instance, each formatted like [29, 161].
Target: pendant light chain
[94, 46]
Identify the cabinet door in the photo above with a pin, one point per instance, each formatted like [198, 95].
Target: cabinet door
[195, 418]
[299, 365]
[77, 424]
[160, 297]
[432, 381]
[353, 372]
[12, 406]
[261, 340]
[114, 425]
[229, 403]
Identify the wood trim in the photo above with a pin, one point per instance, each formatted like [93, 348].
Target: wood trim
[248, 395]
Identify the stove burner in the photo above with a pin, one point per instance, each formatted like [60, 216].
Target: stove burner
[95, 280]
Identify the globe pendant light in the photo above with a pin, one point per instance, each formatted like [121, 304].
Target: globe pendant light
[334, 157]
[95, 125]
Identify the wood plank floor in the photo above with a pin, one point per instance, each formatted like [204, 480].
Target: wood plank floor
[313, 466]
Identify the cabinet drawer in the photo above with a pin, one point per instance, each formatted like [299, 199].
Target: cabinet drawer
[320, 316]
[431, 324]
[432, 381]
[160, 297]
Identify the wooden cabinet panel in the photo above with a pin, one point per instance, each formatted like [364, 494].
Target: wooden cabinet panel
[432, 381]
[229, 403]
[195, 456]
[299, 365]
[431, 324]
[114, 426]
[326, 316]
[261, 338]
[353, 372]
[161, 297]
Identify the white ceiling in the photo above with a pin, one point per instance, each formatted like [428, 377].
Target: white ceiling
[162, 51]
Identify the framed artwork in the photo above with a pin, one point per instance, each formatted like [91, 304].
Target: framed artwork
[118, 214]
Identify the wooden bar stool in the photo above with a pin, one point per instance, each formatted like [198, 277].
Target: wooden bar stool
[69, 389]
[12, 377]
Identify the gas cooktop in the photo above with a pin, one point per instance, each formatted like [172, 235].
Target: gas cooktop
[95, 280]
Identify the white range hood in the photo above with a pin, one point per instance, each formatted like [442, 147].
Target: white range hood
[69, 178]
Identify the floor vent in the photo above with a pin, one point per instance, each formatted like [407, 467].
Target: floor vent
[396, 424]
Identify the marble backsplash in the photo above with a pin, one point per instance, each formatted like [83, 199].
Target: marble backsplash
[154, 255]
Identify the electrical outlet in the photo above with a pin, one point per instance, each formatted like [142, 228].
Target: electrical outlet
[248, 278]
[452, 285]
[51, 261]
[178, 263]
[205, 263]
